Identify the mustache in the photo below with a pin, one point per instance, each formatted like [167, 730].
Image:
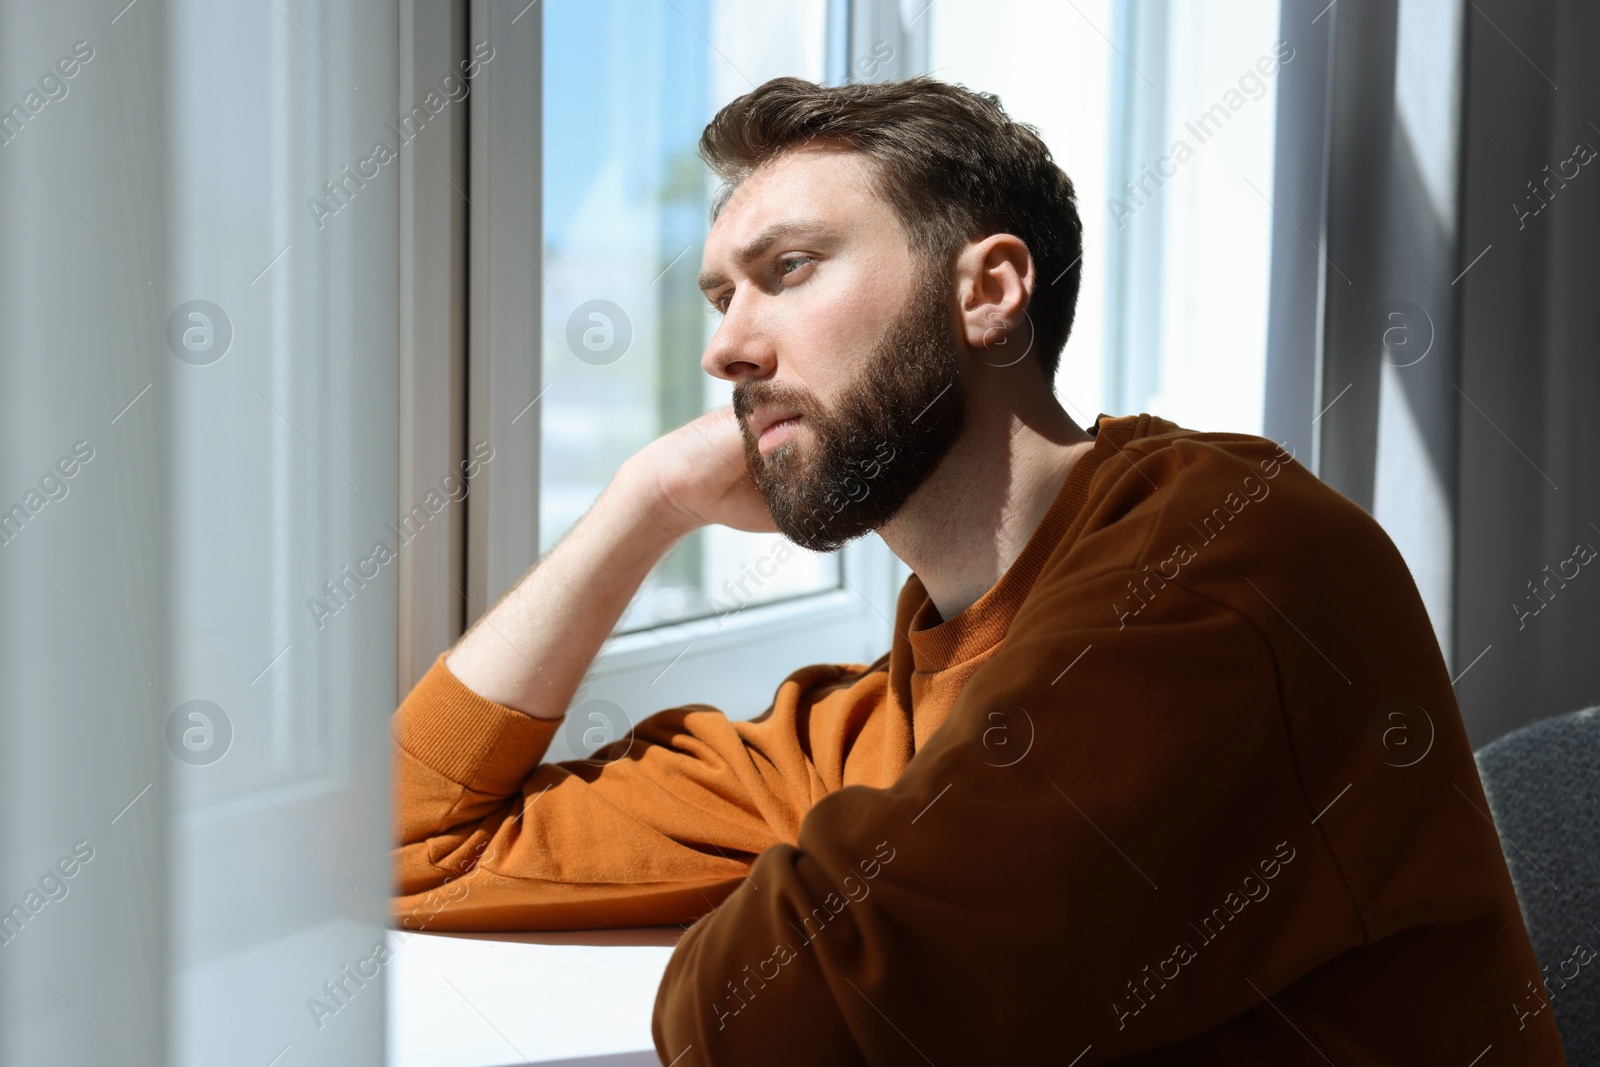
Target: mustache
[748, 396]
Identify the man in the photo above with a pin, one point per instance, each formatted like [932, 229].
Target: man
[1163, 766]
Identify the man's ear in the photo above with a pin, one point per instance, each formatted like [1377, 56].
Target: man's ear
[994, 280]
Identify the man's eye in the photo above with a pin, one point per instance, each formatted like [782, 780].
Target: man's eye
[790, 264]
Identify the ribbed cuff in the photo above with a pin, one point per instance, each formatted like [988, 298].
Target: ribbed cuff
[473, 741]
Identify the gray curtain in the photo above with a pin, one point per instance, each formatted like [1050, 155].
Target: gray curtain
[1530, 362]
[1427, 355]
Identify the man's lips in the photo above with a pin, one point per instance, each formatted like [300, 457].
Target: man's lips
[771, 427]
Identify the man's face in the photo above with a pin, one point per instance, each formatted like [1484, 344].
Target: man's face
[839, 338]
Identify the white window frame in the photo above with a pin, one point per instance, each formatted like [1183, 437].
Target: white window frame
[431, 611]
[471, 369]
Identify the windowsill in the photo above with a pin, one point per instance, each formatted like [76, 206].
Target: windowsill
[568, 999]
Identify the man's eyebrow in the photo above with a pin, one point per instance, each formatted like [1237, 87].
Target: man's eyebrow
[764, 240]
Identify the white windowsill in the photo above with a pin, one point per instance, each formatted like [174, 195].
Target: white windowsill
[497, 1000]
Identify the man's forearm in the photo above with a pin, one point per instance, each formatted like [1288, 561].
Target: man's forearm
[531, 650]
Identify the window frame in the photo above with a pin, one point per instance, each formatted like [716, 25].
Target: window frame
[471, 371]
[431, 611]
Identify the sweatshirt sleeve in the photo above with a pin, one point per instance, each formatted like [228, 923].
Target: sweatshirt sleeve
[654, 828]
[1045, 859]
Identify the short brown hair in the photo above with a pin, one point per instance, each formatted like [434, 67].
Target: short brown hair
[950, 162]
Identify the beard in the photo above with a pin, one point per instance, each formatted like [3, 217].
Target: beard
[879, 441]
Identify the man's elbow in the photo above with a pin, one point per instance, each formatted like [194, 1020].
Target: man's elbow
[709, 1011]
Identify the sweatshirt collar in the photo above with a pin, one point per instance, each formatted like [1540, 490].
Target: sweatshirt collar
[937, 645]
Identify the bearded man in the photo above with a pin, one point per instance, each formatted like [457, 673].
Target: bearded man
[1127, 785]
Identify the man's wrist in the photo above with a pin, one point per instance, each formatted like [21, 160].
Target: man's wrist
[637, 488]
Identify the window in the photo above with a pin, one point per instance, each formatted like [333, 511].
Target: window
[620, 221]
[625, 220]
[1171, 318]
[1162, 114]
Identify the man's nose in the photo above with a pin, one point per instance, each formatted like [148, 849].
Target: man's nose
[739, 350]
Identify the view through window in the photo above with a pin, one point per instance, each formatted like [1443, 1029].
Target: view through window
[1162, 114]
[629, 85]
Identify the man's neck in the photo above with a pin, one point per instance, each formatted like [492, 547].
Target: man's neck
[965, 526]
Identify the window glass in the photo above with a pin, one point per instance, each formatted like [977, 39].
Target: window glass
[628, 87]
[1162, 114]
[1223, 64]
[1051, 67]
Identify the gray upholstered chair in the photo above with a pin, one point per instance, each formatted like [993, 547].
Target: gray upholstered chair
[1543, 783]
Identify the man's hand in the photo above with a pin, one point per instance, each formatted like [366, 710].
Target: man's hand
[532, 649]
[700, 477]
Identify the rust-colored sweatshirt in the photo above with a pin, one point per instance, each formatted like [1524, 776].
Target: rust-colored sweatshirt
[1189, 785]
